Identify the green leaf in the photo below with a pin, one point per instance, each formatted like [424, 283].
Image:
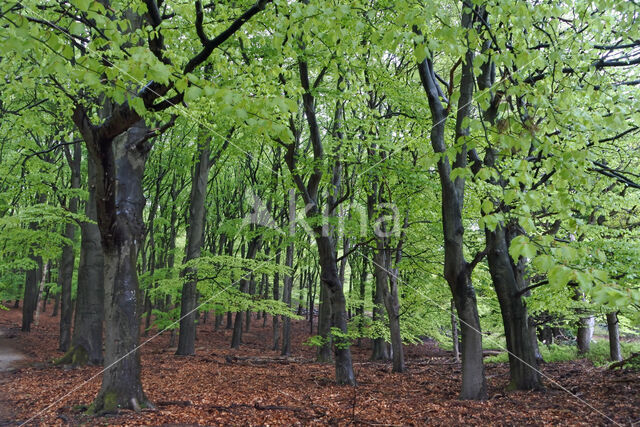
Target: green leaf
[138, 105]
[559, 276]
[192, 93]
[487, 206]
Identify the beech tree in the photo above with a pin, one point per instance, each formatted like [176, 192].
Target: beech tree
[368, 161]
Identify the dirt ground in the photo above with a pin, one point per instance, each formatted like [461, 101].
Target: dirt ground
[254, 386]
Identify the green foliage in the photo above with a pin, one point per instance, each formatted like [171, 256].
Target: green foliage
[598, 353]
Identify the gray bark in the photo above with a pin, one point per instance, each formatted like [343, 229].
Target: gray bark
[456, 269]
[585, 333]
[120, 164]
[454, 333]
[286, 298]
[276, 296]
[30, 300]
[615, 352]
[195, 236]
[380, 350]
[252, 251]
[65, 270]
[508, 281]
[324, 325]
[89, 314]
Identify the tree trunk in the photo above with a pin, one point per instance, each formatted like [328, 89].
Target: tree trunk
[86, 341]
[585, 333]
[43, 280]
[251, 291]
[30, 295]
[236, 337]
[508, 281]
[362, 291]
[286, 298]
[456, 269]
[614, 336]
[534, 341]
[120, 202]
[392, 303]
[195, 236]
[229, 324]
[252, 250]
[65, 270]
[333, 288]
[454, 333]
[56, 306]
[276, 296]
[324, 325]
[380, 349]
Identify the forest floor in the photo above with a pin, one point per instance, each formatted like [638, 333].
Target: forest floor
[254, 386]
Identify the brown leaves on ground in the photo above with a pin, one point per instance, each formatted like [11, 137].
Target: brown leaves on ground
[255, 386]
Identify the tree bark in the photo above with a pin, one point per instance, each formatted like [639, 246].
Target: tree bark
[380, 350]
[43, 280]
[333, 287]
[585, 333]
[195, 236]
[56, 305]
[30, 299]
[615, 352]
[324, 325]
[120, 201]
[454, 333]
[86, 341]
[508, 281]
[252, 250]
[456, 269]
[65, 270]
[286, 298]
[276, 296]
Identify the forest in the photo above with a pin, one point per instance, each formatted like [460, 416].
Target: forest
[280, 212]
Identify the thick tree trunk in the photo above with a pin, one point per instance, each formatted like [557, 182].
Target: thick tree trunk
[65, 270]
[195, 236]
[508, 281]
[120, 202]
[615, 352]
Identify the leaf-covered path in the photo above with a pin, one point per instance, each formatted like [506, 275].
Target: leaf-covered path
[9, 361]
[254, 386]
